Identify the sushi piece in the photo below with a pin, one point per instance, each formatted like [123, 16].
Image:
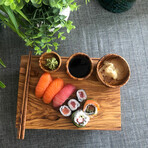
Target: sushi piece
[65, 111]
[63, 95]
[55, 86]
[81, 95]
[42, 85]
[73, 104]
[79, 118]
[91, 108]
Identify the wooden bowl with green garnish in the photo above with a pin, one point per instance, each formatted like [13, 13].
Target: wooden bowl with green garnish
[50, 62]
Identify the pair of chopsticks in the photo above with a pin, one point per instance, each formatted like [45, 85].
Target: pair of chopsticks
[21, 128]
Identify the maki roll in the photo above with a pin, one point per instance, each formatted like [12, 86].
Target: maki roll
[65, 111]
[79, 118]
[73, 104]
[81, 95]
[91, 108]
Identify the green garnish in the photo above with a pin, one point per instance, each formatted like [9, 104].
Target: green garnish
[52, 63]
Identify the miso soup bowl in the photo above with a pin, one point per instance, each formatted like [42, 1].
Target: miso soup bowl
[69, 72]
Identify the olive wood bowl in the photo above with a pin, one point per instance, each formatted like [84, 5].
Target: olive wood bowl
[67, 66]
[45, 56]
[124, 70]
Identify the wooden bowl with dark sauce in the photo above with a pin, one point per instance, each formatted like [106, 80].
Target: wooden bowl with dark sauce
[79, 66]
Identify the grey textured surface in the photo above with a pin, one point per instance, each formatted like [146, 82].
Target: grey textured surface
[98, 32]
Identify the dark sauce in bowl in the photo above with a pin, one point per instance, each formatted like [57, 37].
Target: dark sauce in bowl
[80, 66]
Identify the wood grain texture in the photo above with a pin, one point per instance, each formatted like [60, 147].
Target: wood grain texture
[43, 116]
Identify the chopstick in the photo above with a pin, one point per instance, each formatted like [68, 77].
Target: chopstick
[21, 128]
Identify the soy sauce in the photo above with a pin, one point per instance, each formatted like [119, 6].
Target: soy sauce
[80, 66]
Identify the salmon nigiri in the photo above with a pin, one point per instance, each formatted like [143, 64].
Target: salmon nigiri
[43, 83]
[55, 86]
[63, 95]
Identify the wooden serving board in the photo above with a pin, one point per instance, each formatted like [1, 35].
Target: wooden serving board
[43, 116]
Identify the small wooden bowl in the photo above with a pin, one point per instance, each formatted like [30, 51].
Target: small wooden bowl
[122, 65]
[67, 66]
[45, 56]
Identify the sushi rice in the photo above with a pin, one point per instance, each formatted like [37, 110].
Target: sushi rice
[81, 95]
[91, 108]
[89, 112]
[79, 118]
[73, 104]
[67, 110]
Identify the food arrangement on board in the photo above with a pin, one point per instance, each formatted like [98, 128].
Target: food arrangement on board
[79, 67]
[60, 92]
[56, 92]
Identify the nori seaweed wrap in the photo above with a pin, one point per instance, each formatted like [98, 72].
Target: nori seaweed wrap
[79, 118]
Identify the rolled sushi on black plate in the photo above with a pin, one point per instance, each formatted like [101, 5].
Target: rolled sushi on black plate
[79, 118]
[81, 95]
[73, 104]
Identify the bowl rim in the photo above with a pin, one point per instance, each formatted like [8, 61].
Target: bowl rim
[41, 58]
[67, 66]
[98, 73]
